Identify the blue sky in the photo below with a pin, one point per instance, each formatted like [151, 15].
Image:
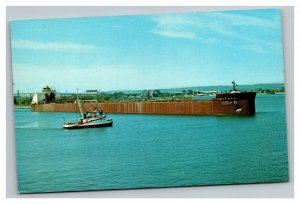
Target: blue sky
[148, 51]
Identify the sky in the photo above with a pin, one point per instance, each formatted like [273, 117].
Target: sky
[148, 51]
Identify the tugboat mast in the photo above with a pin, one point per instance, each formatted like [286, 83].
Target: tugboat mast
[79, 105]
[233, 85]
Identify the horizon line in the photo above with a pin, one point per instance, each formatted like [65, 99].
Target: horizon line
[183, 87]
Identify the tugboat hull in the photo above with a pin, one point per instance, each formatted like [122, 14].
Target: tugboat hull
[107, 123]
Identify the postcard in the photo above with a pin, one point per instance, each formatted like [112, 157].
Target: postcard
[149, 101]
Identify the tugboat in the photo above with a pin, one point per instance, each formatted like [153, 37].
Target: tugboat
[94, 119]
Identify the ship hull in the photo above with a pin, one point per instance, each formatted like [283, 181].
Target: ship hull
[224, 104]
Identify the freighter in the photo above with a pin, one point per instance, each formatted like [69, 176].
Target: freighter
[231, 103]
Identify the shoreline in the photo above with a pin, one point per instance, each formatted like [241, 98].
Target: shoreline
[22, 107]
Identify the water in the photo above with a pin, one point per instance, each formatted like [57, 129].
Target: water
[152, 150]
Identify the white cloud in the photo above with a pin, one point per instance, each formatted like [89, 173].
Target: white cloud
[243, 20]
[218, 24]
[175, 20]
[52, 46]
[173, 26]
[178, 26]
[175, 34]
[208, 40]
[255, 48]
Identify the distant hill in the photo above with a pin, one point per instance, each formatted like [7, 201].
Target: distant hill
[211, 88]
